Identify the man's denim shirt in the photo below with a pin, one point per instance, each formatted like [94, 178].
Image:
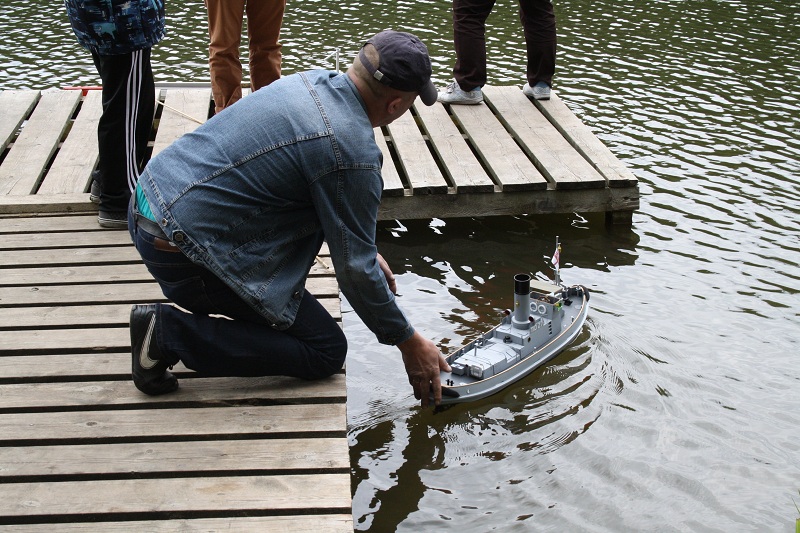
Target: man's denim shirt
[252, 194]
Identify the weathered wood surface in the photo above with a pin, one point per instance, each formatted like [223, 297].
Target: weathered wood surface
[26, 163]
[82, 450]
[77, 158]
[507, 156]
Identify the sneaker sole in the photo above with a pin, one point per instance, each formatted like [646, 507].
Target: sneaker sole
[462, 102]
[112, 224]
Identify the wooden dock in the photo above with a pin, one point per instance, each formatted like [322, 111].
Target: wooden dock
[509, 156]
[82, 449]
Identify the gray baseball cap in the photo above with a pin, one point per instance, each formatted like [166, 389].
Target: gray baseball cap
[404, 64]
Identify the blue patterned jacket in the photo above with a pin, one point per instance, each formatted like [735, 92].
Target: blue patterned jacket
[112, 27]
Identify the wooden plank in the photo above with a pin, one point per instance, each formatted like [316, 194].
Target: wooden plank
[509, 166]
[71, 171]
[461, 165]
[52, 275]
[276, 455]
[72, 367]
[162, 497]
[68, 366]
[392, 184]
[323, 409]
[586, 143]
[555, 158]
[37, 204]
[15, 106]
[57, 223]
[26, 161]
[92, 315]
[329, 523]
[494, 204]
[118, 292]
[70, 256]
[179, 104]
[82, 239]
[420, 168]
[64, 340]
[77, 274]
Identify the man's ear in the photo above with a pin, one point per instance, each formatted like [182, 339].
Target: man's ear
[393, 105]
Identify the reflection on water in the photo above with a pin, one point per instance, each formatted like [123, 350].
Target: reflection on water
[677, 407]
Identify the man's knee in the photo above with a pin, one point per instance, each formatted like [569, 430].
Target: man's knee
[331, 360]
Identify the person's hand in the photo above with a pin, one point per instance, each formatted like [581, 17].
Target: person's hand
[423, 363]
[387, 272]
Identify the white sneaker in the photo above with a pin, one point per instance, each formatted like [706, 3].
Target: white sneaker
[453, 94]
[540, 91]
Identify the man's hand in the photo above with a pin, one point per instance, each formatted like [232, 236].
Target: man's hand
[423, 363]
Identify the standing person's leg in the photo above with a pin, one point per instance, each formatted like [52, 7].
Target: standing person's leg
[264, 19]
[123, 130]
[539, 23]
[469, 39]
[225, 34]
[313, 347]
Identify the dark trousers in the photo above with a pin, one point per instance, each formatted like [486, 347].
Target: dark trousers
[469, 36]
[124, 128]
[313, 347]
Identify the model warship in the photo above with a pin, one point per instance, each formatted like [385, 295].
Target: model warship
[546, 318]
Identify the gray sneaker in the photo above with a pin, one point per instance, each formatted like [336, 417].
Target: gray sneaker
[453, 94]
[112, 219]
[540, 91]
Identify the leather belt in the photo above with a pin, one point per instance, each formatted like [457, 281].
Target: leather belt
[160, 240]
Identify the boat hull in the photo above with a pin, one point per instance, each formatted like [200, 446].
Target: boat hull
[500, 343]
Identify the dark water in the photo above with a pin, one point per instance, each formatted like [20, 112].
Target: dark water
[678, 408]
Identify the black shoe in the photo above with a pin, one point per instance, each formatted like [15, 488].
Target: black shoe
[95, 192]
[150, 374]
[113, 219]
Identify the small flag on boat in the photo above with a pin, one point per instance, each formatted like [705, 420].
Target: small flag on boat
[556, 255]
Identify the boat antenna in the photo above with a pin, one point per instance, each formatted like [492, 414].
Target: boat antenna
[555, 261]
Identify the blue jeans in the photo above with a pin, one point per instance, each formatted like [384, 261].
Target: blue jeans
[313, 347]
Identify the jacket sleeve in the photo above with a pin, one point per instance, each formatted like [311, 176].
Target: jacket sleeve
[347, 204]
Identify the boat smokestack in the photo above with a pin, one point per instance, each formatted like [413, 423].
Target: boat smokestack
[522, 301]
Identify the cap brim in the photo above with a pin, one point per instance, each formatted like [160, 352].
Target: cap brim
[428, 94]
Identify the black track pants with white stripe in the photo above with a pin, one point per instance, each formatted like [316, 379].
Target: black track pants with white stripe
[124, 127]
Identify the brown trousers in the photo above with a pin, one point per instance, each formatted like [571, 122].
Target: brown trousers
[225, 17]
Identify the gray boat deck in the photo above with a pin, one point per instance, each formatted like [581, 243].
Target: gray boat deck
[509, 156]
